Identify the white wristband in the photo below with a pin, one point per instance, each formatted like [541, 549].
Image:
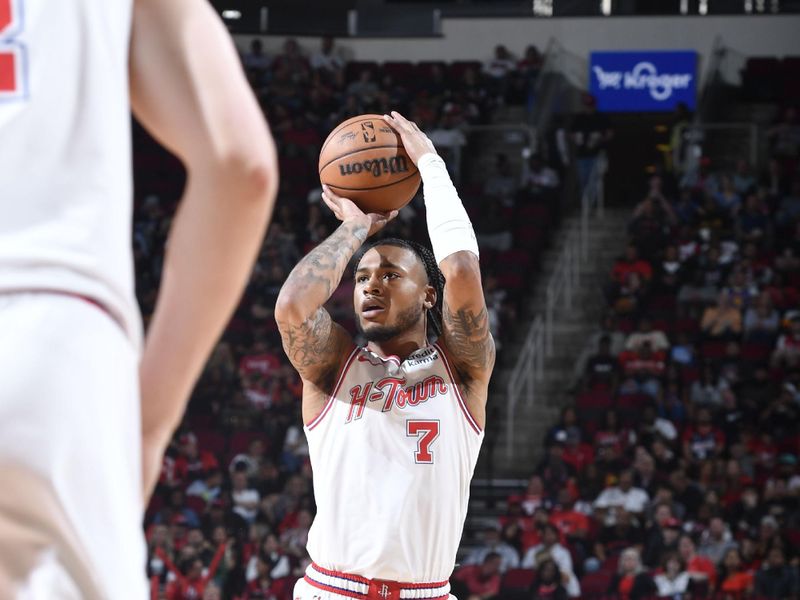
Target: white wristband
[449, 226]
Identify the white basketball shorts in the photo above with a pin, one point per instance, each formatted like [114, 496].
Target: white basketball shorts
[70, 417]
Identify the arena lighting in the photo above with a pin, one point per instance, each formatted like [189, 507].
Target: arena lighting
[232, 15]
[605, 7]
[703, 7]
[543, 8]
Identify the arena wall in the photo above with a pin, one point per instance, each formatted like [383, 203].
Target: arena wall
[474, 38]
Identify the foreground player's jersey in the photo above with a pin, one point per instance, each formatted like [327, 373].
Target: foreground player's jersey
[65, 157]
[392, 452]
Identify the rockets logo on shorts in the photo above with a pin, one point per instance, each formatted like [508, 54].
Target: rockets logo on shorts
[13, 65]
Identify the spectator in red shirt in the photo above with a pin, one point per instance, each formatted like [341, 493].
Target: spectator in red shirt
[262, 587]
[643, 368]
[262, 360]
[576, 453]
[190, 581]
[631, 263]
[192, 463]
[701, 569]
[573, 525]
[481, 582]
[734, 580]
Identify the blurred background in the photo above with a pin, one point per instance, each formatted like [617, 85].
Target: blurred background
[632, 170]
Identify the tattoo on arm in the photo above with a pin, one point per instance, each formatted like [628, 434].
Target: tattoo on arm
[312, 341]
[321, 270]
[469, 340]
[309, 348]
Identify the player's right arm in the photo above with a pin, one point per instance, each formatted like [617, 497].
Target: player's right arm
[315, 345]
[188, 89]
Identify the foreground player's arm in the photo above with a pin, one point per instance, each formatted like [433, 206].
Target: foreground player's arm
[465, 319]
[189, 91]
[316, 345]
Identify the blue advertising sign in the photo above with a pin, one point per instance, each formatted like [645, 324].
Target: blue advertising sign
[643, 81]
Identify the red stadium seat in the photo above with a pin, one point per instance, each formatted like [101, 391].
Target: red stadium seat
[595, 585]
[211, 441]
[354, 68]
[689, 375]
[630, 406]
[519, 259]
[536, 212]
[511, 280]
[241, 440]
[425, 67]
[713, 350]
[457, 69]
[687, 325]
[626, 325]
[594, 400]
[403, 72]
[756, 352]
[517, 579]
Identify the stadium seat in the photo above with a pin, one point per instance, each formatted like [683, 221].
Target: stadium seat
[211, 441]
[403, 72]
[457, 69]
[713, 350]
[354, 69]
[595, 585]
[425, 68]
[241, 440]
[594, 400]
[517, 579]
[756, 351]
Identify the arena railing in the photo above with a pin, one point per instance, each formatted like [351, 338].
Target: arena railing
[565, 279]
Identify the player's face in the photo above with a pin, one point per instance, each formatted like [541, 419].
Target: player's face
[391, 293]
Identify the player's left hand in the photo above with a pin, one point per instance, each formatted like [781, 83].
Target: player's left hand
[415, 141]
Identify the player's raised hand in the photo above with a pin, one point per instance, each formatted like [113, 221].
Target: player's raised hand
[415, 141]
[344, 209]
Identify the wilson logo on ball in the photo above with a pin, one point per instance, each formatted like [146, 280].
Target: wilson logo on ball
[378, 166]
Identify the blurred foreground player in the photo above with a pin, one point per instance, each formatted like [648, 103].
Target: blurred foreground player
[394, 428]
[73, 433]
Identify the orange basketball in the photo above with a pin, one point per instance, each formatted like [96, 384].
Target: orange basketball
[363, 159]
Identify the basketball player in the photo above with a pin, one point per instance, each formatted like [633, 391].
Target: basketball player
[73, 432]
[394, 428]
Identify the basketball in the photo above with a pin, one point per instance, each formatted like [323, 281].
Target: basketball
[363, 159]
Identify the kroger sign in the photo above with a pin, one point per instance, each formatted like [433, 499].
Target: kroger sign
[643, 81]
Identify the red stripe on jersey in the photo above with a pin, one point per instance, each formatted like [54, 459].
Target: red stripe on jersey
[464, 408]
[316, 420]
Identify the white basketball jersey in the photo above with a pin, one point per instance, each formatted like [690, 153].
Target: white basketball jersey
[393, 453]
[65, 151]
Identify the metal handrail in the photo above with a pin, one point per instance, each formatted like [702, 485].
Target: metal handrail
[565, 279]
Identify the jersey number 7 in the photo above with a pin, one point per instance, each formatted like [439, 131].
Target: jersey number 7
[12, 54]
[426, 432]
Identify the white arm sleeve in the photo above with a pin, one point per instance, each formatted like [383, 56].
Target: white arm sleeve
[449, 226]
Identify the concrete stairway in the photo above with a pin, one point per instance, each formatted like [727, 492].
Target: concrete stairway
[571, 328]
[498, 475]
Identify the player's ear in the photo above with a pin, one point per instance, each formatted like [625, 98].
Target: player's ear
[430, 297]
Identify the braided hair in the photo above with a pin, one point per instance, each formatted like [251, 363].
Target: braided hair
[435, 277]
